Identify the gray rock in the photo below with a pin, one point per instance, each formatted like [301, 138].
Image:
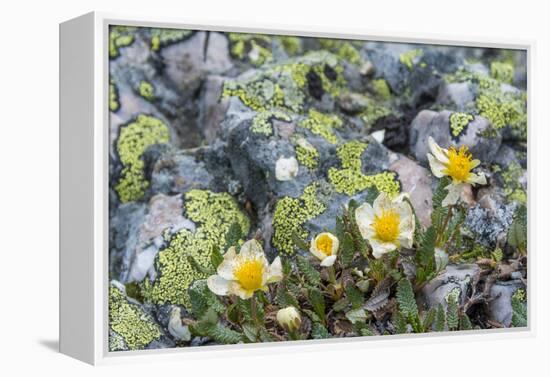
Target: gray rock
[212, 107]
[437, 125]
[488, 225]
[458, 95]
[500, 302]
[453, 276]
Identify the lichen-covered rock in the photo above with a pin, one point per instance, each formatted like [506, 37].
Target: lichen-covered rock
[453, 129]
[459, 277]
[488, 225]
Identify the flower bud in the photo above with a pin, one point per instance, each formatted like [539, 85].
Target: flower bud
[289, 318]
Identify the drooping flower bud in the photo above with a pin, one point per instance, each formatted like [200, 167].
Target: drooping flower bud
[289, 318]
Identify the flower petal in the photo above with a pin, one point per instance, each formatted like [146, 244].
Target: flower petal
[225, 269]
[251, 249]
[453, 194]
[382, 203]
[437, 167]
[275, 271]
[236, 289]
[335, 244]
[477, 179]
[439, 153]
[474, 164]
[328, 261]
[218, 285]
[364, 216]
[381, 248]
[315, 251]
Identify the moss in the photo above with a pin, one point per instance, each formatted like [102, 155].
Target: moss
[132, 142]
[290, 216]
[120, 36]
[382, 89]
[135, 327]
[147, 90]
[458, 123]
[512, 176]
[408, 58]
[503, 72]
[114, 105]
[261, 124]
[284, 86]
[213, 213]
[306, 154]
[322, 124]
[164, 37]
[350, 179]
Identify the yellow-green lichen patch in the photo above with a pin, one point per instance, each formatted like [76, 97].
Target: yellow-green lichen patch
[213, 213]
[134, 326]
[382, 89]
[164, 37]
[512, 176]
[147, 90]
[292, 45]
[290, 216]
[256, 48]
[458, 123]
[503, 72]
[261, 124]
[120, 36]
[344, 49]
[408, 58]
[114, 105]
[322, 124]
[350, 179]
[133, 140]
[375, 110]
[285, 85]
[306, 154]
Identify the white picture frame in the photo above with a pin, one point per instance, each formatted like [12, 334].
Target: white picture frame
[84, 91]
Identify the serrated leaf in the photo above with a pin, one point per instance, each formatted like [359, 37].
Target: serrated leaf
[284, 297]
[318, 331]
[429, 319]
[317, 301]
[299, 242]
[218, 332]
[311, 274]
[452, 312]
[465, 323]
[355, 296]
[440, 318]
[366, 331]
[356, 315]
[378, 301]
[250, 332]
[406, 300]
[517, 233]
[216, 258]
[233, 236]
[519, 313]
[202, 299]
[340, 304]
[347, 248]
[399, 323]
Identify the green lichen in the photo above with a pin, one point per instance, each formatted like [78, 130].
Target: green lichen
[382, 89]
[133, 140]
[164, 37]
[147, 90]
[261, 124]
[134, 326]
[322, 124]
[503, 72]
[213, 213]
[344, 49]
[120, 36]
[292, 45]
[306, 154]
[375, 110]
[290, 216]
[458, 123]
[284, 86]
[114, 105]
[512, 177]
[256, 48]
[408, 58]
[350, 179]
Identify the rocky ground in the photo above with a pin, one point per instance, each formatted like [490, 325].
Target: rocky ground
[277, 134]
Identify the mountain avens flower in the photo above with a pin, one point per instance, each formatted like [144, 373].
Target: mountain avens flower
[244, 273]
[325, 248]
[387, 224]
[289, 318]
[456, 164]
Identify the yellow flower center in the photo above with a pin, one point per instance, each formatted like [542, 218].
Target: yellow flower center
[324, 244]
[386, 226]
[249, 273]
[460, 164]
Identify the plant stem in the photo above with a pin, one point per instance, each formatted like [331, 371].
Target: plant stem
[254, 312]
[331, 274]
[441, 232]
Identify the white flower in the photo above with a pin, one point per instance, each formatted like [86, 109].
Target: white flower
[245, 273]
[286, 169]
[387, 224]
[457, 164]
[289, 318]
[325, 248]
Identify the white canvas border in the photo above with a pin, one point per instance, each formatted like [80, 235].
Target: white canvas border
[100, 215]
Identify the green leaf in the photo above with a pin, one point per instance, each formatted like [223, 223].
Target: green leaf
[250, 332]
[517, 234]
[311, 274]
[452, 312]
[366, 331]
[218, 332]
[439, 212]
[317, 301]
[355, 296]
[429, 320]
[400, 323]
[202, 299]
[216, 258]
[440, 318]
[299, 242]
[318, 331]
[340, 304]
[465, 323]
[425, 255]
[233, 236]
[356, 315]
[284, 297]
[372, 194]
[406, 300]
[519, 312]
[347, 248]
[198, 267]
